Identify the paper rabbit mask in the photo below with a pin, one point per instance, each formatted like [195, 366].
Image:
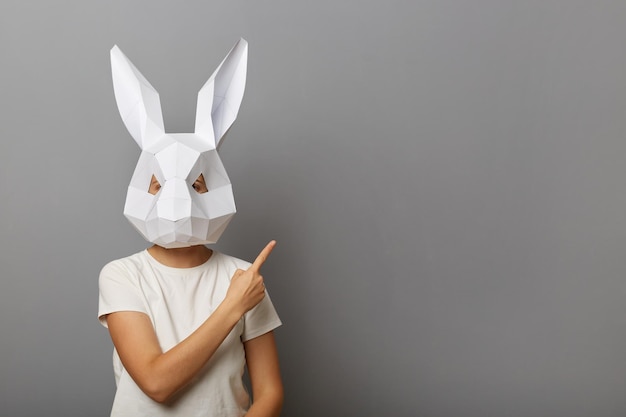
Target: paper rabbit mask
[178, 215]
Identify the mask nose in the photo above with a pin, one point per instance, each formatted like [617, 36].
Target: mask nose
[175, 201]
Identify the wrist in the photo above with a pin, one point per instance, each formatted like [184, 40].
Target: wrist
[231, 310]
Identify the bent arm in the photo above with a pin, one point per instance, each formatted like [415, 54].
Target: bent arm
[264, 370]
[160, 374]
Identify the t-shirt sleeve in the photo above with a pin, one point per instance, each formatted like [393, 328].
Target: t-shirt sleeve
[119, 291]
[260, 320]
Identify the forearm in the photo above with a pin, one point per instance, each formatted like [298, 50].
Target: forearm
[176, 367]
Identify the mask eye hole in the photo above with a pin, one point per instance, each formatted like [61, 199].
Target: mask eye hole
[155, 186]
[200, 185]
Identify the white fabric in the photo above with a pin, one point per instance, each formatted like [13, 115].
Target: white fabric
[177, 301]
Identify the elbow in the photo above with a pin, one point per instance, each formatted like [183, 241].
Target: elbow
[159, 397]
[157, 391]
[279, 396]
[280, 399]
[272, 400]
[157, 384]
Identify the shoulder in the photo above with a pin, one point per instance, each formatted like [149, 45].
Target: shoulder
[120, 286]
[124, 268]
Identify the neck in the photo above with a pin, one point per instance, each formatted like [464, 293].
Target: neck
[181, 257]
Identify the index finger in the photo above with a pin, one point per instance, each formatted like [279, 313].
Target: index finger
[256, 265]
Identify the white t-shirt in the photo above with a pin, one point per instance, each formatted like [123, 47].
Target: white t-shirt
[178, 301]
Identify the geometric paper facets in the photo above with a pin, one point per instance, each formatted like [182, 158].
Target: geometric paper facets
[178, 215]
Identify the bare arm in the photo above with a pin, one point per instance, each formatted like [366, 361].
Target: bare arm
[160, 374]
[267, 386]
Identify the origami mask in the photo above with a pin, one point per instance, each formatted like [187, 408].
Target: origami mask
[179, 215]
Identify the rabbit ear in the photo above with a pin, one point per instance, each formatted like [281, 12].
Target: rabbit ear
[220, 97]
[137, 101]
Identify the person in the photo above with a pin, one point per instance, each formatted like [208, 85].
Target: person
[162, 370]
[185, 320]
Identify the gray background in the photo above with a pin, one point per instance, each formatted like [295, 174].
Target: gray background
[445, 180]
